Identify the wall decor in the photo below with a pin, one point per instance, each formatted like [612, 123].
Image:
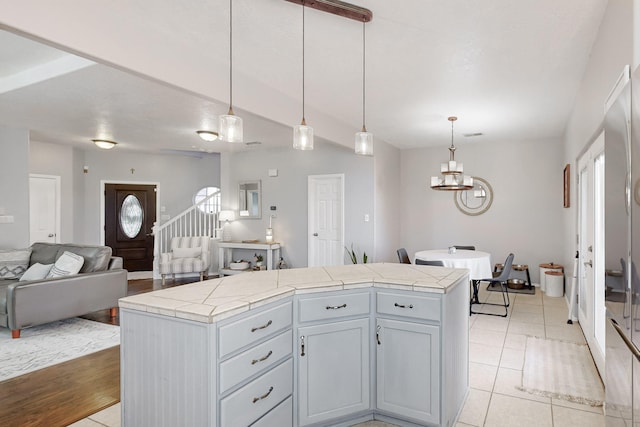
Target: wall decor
[567, 186]
[476, 200]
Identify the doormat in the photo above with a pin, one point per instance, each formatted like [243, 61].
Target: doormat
[53, 343]
[496, 288]
[561, 369]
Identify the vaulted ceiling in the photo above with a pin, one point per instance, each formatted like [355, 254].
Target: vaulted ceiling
[508, 69]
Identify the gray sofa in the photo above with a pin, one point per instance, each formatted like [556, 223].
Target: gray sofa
[98, 286]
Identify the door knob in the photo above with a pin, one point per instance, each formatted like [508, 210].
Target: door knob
[51, 235]
[315, 234]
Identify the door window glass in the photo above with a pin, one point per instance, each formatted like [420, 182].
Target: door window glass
[131, 216]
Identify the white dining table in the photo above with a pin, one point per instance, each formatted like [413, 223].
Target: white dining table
[477, 262]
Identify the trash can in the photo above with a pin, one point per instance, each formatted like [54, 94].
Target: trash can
[543, 269]
[554, 283]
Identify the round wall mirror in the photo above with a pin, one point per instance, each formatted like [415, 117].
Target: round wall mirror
[477, 200]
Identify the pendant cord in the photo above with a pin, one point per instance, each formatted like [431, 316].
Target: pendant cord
[363, 75]
[303, 6]
[230, 54]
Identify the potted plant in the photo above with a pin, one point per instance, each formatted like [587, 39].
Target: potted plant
[258, 259]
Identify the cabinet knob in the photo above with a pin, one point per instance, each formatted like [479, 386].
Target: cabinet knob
[315, 234]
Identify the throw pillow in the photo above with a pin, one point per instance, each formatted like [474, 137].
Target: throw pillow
[14, 262]
[68, 264]
[186, 252]
[36, 272]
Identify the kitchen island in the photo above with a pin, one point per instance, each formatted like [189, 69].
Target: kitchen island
[300, 347]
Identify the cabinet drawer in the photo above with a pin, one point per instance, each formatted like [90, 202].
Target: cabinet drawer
[333, 306]
[252, 401]
[245, 331]
[419, 307]
[280, 416]
[254, 360]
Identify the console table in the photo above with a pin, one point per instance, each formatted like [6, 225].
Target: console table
[225, 255]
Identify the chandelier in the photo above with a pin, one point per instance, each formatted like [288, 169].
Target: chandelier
[453, 178]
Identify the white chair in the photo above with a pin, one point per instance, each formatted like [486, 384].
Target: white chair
[188, 255]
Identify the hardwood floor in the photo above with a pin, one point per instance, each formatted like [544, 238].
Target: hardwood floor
[68, 392]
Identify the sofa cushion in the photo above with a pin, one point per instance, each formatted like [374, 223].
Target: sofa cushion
[96, 258]
[36, 272]
[68, 264]
[13, 263]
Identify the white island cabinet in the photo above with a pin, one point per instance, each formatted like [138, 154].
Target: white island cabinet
[299, 347]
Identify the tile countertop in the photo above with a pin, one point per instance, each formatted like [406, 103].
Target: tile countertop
[216, 299]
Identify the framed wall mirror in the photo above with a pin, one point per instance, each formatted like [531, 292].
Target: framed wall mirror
[477, 200]
[250, 199]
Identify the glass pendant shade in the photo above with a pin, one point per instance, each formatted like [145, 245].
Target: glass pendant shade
[364, 143]
[303, 136]
[230, 127]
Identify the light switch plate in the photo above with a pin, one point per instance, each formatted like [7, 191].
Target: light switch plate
[273, 172]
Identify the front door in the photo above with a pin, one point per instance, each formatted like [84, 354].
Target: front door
[325, 221]
[130, 213]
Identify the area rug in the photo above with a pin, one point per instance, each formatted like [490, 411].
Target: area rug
[52, 343]
[563, 370]
[496, 287]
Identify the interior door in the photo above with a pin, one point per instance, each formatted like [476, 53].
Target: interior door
[44, 208]
[591, 309]
[130, 213]
[326, 220]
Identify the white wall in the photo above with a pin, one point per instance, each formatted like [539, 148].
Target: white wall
[612, 50]
[525, 217]
[56, 159]
[288, 192]
[14, 187]
[388, 212]
[179, 178]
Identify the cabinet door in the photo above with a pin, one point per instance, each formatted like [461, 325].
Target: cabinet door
[408, 371]
[333, 370]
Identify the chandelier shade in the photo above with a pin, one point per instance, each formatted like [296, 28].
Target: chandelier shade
[453, 177]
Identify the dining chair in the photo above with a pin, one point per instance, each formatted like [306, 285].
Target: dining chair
[501, 280]
[469, 248]
[437, 263]
[403, 256]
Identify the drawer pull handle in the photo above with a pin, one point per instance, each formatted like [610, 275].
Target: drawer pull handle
[263, 358]
[302, 346]
[403, 306]
[264, 396]
[262, 327]
[378, 335]
[336, 307]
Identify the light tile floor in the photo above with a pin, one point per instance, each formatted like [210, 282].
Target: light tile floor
[496, 360]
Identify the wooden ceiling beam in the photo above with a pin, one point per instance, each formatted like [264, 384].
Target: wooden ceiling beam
[339, 8]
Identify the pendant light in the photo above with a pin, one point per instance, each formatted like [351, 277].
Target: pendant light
[364, 139]
[303, 134]
[230, 125]
[453, 178]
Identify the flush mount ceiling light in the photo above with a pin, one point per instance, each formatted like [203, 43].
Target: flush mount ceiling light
[230, 125]
[453, 178]
[104, 144]
[364, 139]
[207, 135]
[303, 134]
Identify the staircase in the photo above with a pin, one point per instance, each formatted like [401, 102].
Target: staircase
[193, 221]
